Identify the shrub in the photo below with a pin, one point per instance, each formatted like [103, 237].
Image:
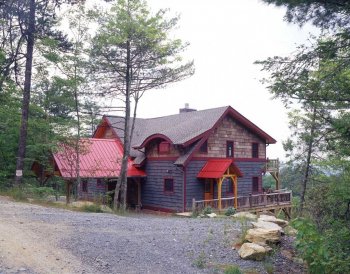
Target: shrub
[230, 211]
[40, 192]
[323, 252]
[207, 210]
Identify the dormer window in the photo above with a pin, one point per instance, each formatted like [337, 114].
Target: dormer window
[164, 147]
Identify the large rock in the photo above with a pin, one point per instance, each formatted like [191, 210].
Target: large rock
[211, 215]
[246, 215]
[263, 235]
[267, 225]
[273, 219]
[252, 251]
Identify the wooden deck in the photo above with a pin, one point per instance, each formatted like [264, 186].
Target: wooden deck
[276, 201]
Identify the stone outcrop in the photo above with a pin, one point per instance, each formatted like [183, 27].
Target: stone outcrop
[266, 230]
[252, 251]
[266, 225]
[273, 219]
[246, 215]
[263, 235]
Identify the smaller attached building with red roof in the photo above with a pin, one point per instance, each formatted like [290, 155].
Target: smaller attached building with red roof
[99, 167]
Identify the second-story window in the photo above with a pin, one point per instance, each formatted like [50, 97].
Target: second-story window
[229, 149]
[164, 147]
[255, 150]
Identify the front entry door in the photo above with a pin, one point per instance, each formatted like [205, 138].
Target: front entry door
[208, 190]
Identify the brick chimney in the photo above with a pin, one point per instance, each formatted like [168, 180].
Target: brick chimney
[187, 108]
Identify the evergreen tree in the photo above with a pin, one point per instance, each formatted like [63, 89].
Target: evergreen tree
[132, 53]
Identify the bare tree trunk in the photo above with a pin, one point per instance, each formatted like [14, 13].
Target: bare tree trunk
[123, 177]
[26, 95]
[77, 141]
[308, 163]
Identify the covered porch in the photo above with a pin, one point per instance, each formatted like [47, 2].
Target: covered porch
[219, 172]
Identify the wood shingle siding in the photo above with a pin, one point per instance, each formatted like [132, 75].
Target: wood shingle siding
[229, 130]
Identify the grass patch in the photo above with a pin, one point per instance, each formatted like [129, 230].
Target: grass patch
[91, 208]
[232, 269]
[200, 261]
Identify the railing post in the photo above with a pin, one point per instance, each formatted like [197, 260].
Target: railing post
[193, 205]
[250, 200]
[265, 199]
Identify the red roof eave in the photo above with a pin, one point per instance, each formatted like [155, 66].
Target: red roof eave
[216, 168]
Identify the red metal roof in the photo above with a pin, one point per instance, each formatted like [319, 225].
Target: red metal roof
[215, 168]
[98, 158]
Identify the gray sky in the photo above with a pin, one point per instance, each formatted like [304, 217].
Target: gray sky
[226, 37]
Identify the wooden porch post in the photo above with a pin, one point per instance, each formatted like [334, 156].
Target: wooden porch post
[235, 190]
[219, 193]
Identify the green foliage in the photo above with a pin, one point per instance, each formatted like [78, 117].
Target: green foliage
[39, 192]
[200, 261]
[230, 211]
[269, 182]
[207, 210]
[232, 269]
[92, 208]
[16, 193]
[320, 251]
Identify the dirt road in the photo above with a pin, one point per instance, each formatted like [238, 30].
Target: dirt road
[37, 239]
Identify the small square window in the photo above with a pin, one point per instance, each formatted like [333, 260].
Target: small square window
[84, 185]
[229, 149]
[100, 183]
[255, 150]
[169, 185]
[163, 147]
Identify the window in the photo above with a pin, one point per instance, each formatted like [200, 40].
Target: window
[163, 147]
[255, 150]
[204, 147]
[168, 185]
[255, 186]
[229, 149]
[84, 185]
[100, 183]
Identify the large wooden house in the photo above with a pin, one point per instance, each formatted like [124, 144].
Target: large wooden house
[213, 156]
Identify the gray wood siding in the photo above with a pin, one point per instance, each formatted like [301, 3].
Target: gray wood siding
[152, 193]
[250, 170]
[195, 187]
[93, 192]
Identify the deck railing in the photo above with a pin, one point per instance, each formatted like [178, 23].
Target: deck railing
[272, 165]
[258, 201]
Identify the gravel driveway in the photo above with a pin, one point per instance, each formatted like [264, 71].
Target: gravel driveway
[36, 239]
